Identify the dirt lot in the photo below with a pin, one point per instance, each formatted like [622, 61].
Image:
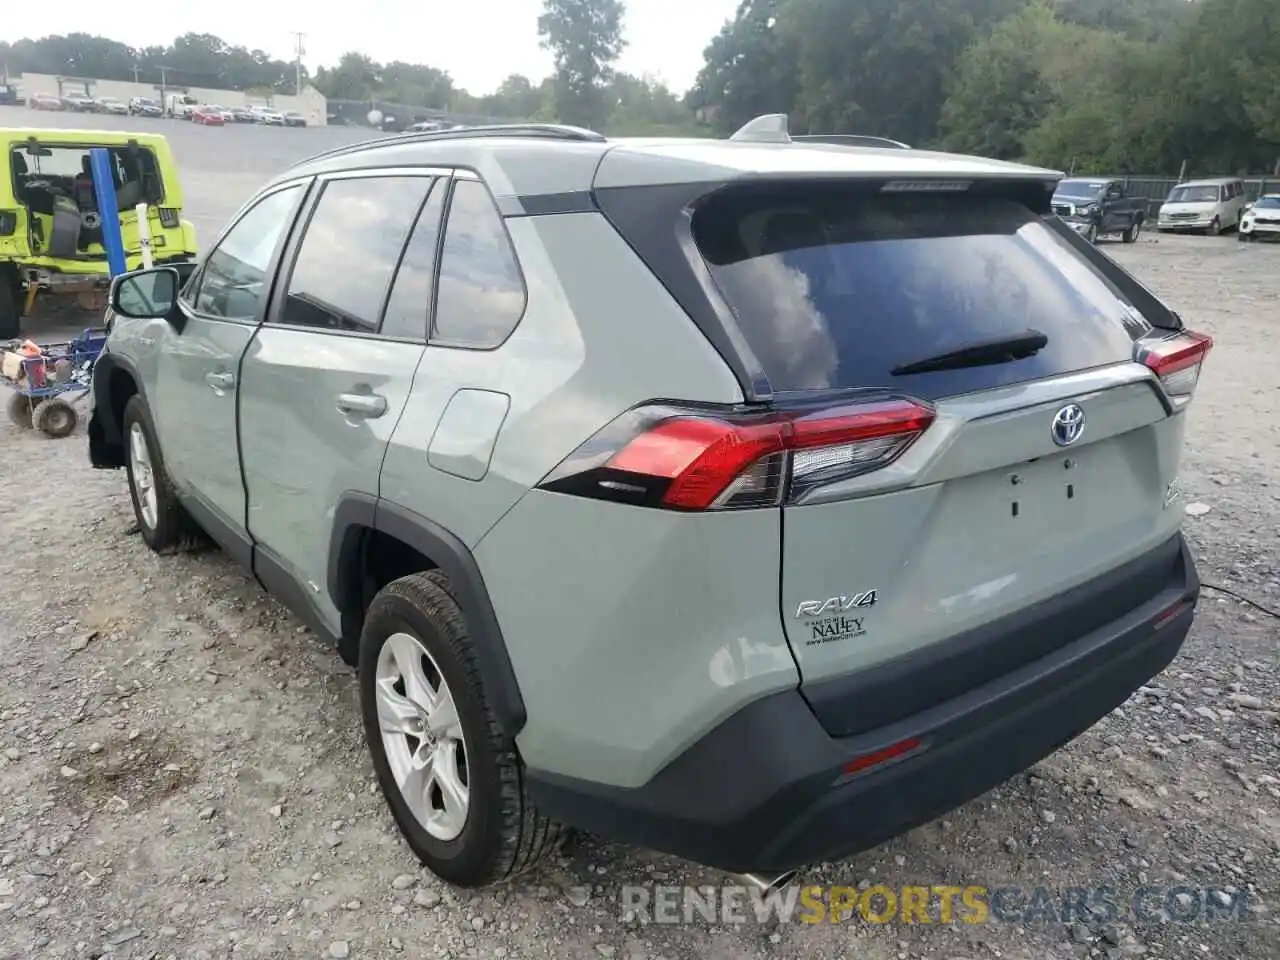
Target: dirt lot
[182, 772]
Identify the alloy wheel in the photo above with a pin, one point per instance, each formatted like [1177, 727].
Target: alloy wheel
[422, 736]
[144, 478]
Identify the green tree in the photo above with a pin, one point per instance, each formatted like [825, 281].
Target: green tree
[585, 39]
[880, 67]
[751, 68]
[998, 91]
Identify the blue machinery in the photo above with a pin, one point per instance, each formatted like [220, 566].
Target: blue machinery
[104, 188]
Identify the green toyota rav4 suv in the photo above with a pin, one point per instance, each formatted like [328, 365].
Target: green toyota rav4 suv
[749, 500]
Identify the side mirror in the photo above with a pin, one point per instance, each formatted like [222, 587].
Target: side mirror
[146, 294]
[1248, 206]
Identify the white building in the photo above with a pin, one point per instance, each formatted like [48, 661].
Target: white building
[310, 103]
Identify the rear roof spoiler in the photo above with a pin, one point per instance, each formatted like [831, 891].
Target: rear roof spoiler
[774, 128]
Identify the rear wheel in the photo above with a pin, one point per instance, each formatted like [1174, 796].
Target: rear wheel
[452, 780]
[55, 418]
[1131, 235]
[19, 408]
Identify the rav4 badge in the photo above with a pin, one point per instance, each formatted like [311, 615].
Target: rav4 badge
[819, 608]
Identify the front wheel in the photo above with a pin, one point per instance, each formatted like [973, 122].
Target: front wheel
[452, 780]
[1215, 228]
[1092, 233]
[55, 418]
[161, 519]
[10, 320]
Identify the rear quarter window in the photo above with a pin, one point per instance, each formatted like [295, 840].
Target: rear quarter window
[833, 287]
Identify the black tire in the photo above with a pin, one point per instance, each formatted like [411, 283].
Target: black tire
[171, 526]
[1092, 233]
[55, 418]
[1215, 228]
[10, 319]
[1131, 235]
[19, 407]
[503, 835]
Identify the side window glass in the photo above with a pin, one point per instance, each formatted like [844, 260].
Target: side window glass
[350, 249]
[410, 301]
[481, 291]
[233, 281]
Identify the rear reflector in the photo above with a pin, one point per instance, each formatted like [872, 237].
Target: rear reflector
[867, 760]
[1164, 616]
[1177, 361]
[686, 459]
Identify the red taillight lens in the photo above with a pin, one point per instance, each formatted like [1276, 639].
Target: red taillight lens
[687, 460]
[1177, 361]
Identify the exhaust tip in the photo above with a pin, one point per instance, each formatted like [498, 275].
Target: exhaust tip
[767, 882]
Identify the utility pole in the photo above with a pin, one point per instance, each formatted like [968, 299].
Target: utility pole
[135, 73]
[164, 85]
[297, 62]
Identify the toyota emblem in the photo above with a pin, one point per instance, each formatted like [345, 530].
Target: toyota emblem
[1068, 424]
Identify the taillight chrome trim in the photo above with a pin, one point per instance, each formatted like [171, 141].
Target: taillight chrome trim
[703, 459]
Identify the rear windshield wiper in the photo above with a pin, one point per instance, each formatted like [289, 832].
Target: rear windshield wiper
[979, 354]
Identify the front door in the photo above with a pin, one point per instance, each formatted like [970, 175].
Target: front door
[328, 374]
[197, 382]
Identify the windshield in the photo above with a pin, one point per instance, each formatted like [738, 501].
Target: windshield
[1079, 190]
[835, 287]
[1201, 194]
[1268, 203]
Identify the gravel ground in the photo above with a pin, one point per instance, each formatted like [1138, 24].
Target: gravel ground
[182, 772]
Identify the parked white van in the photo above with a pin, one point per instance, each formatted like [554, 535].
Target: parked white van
[180, 105]
[1203, 205]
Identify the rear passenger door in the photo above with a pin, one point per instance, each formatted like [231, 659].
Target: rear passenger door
[326, 379]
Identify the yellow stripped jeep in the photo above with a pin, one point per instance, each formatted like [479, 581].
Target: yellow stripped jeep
[50, 224]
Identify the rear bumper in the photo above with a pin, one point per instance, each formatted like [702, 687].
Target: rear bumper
[766, 790]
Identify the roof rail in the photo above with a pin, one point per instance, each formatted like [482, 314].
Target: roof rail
[769, 128]
[549, 131]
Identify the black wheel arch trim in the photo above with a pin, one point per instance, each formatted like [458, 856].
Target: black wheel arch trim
[357, 513]
[105, 429]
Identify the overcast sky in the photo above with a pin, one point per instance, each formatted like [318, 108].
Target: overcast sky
[479, 42]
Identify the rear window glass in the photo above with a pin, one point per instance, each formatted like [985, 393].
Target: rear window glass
[834, 288]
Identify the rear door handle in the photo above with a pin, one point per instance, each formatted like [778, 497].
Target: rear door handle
[220, 381]
[361, 404]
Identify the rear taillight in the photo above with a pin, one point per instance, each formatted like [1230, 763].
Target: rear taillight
[684, 459]
[1177, 361]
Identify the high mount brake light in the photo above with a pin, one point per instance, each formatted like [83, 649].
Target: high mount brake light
[1177, 361]
[686, 459]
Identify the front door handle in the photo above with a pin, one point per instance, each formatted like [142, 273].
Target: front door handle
[361, 404]
[219, 382]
